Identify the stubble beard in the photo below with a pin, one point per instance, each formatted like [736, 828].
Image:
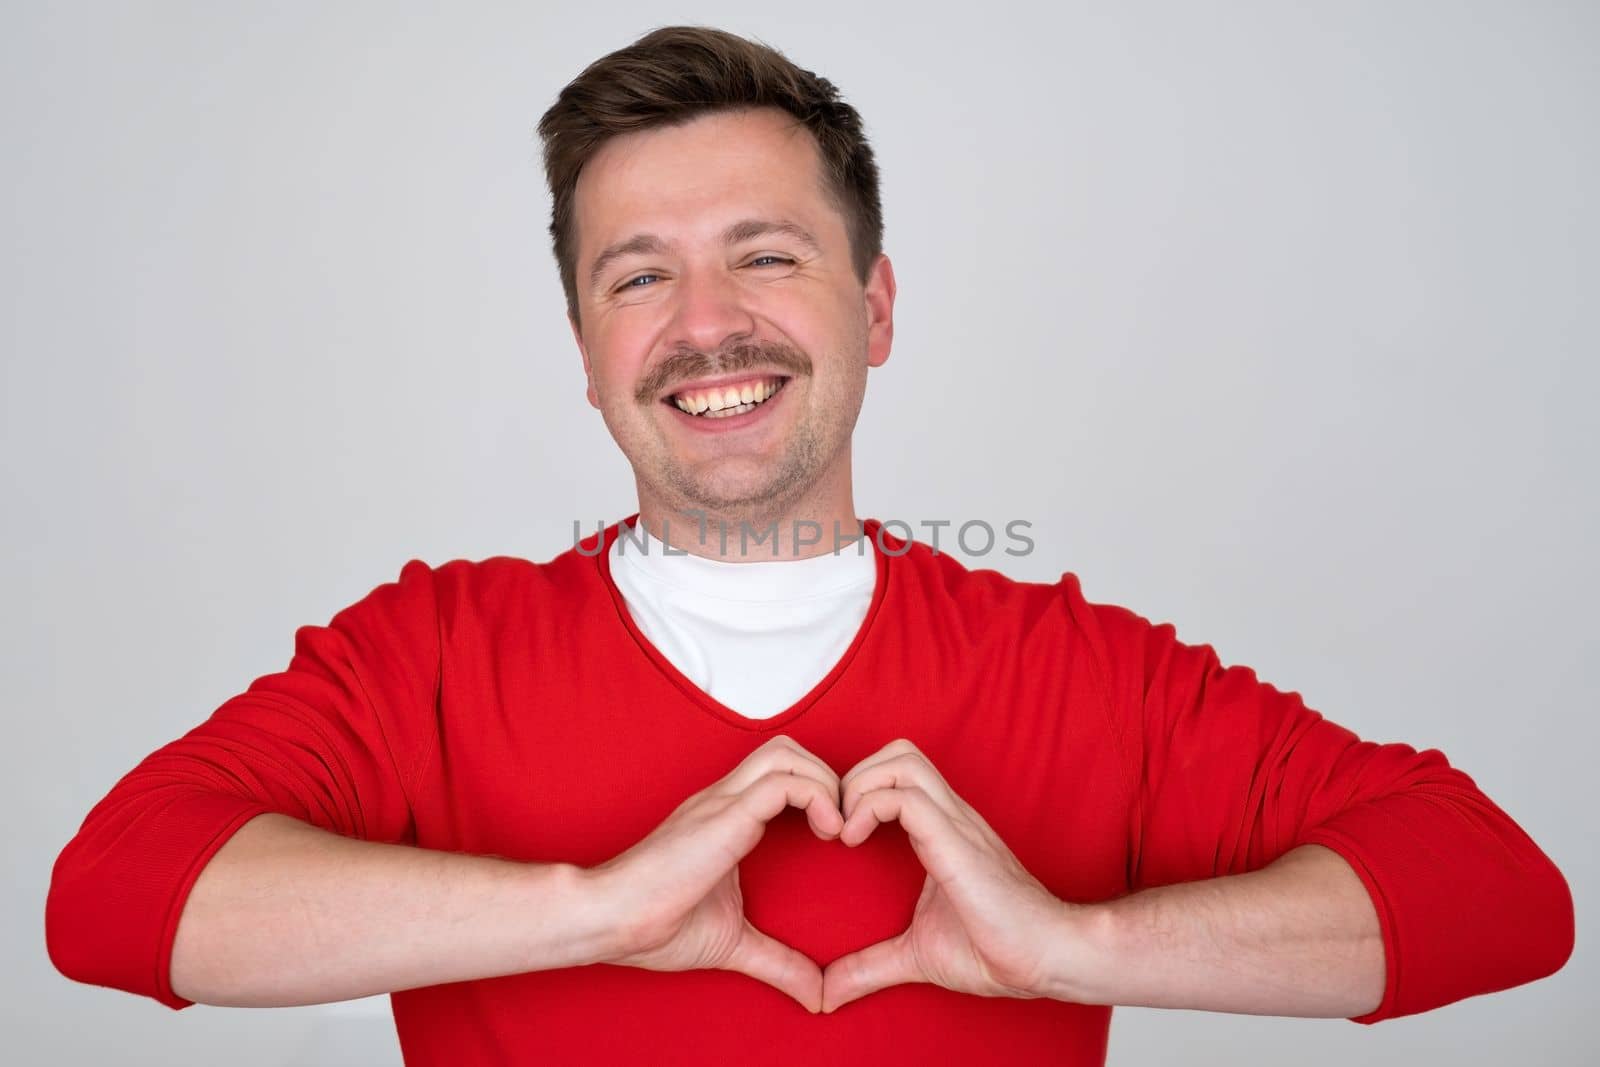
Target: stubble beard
[815, 441]
[711, 493]
[786, 481]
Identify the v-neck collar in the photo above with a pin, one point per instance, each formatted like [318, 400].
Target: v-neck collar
[702, 699]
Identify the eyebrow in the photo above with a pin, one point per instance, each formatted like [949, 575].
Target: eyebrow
[641, 244]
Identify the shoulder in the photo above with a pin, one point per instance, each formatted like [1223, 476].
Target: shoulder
[929, 572]
[459, 589]
[934, 581]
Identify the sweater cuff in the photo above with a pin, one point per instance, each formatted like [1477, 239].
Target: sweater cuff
[1356, 857]
[211, 819]
[1508, 919]
[120, 891]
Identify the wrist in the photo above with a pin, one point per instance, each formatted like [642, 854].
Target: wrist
[1083, 941]
[574, 922]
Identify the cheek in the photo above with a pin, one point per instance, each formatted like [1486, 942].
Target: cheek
[616, 362]
[819, 327]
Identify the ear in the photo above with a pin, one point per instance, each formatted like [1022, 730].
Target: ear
[588, 371]
[879, 298]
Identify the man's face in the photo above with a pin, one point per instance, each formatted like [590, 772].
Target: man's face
[724, 287]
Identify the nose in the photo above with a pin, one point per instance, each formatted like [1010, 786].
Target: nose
[711, 310]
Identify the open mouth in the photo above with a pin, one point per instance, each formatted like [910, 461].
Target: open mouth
[721, 402]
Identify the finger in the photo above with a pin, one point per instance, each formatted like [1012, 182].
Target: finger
[779, 753]
[862, 973]
[907, 805]
[907, 769]
[825, 817]
[938, 844]
[900, 746]
[774, 792]
[771, 961]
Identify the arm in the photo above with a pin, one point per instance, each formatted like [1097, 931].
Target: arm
[269, 858]
[1277, 864]
[1298, 937]
[334, 742]
[1229, 774]
[287, 914]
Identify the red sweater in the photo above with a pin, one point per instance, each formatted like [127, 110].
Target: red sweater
[509, 708]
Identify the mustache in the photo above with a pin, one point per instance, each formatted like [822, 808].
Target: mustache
[685, 365]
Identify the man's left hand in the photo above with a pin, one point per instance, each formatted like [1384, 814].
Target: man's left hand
[983, 924]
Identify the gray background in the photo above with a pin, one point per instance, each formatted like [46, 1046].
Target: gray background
[1278, 324]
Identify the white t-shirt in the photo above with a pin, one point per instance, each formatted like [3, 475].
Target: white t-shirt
[756, 636]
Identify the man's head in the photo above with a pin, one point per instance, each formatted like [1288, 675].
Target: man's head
[716, 223]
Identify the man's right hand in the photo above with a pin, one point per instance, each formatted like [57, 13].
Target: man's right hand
[679, 886]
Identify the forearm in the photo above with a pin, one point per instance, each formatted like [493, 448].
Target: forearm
[288, 914]
[1299, 937]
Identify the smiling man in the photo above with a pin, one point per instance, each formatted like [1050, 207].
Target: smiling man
[629, 804]
[721, 309]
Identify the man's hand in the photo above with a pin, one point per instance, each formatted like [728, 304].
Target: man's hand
[679, 886]
[983, 924]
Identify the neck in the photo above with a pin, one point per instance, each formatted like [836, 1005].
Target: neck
[822, 520]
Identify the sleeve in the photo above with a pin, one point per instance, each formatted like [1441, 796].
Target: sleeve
[1228, 773]
[335, 740]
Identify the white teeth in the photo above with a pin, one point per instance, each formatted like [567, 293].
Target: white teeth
[719, 403]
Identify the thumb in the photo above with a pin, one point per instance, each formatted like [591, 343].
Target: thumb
[875, 967]
[771, 961]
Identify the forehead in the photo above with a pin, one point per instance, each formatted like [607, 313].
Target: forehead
[694, 178]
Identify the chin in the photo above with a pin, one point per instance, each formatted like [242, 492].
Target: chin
[739, 500]
[736, 491]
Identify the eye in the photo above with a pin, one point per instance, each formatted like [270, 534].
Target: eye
[632, 283]
[777, 259]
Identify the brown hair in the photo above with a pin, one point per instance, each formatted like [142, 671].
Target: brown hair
[675, 74]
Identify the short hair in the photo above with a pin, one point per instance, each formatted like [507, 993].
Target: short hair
[675, 74]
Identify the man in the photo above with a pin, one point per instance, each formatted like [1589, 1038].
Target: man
[547, 805]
